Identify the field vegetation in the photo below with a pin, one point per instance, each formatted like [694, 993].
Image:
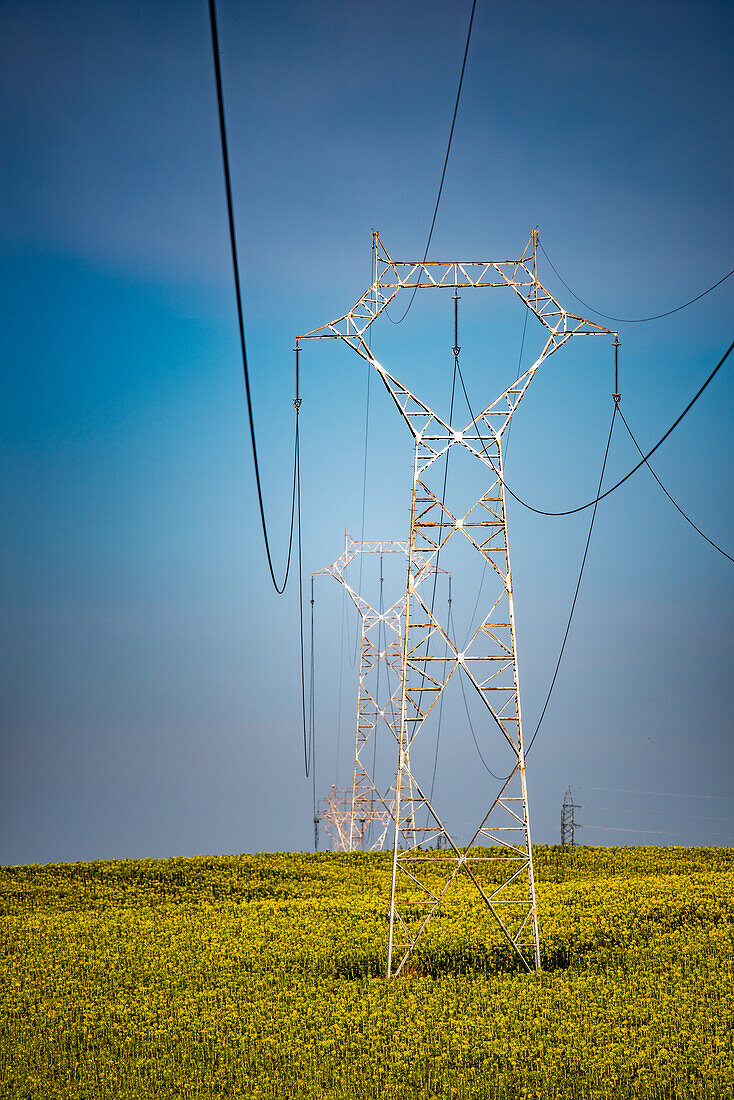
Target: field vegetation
[261, 976]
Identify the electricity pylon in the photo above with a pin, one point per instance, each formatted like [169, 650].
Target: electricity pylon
[348, 813]
[336, 816]
[498, 858]
[568, 823]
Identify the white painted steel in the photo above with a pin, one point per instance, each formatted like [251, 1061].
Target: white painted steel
[498, 858]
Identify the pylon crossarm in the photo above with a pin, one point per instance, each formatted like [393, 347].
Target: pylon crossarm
[395, 275]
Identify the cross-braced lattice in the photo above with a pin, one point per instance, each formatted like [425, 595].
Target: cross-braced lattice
[346, 813]
[568, 821]
[498, 858]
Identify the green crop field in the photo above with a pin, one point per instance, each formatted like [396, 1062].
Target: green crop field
[261, 976]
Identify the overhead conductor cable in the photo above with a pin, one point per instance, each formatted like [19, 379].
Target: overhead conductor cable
[279, 588]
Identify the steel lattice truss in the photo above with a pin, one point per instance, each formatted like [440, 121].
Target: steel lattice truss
[498, 858]
[568, 822]
[347, 813]
[336, 816]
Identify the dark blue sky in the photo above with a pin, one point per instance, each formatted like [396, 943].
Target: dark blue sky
[150, 675]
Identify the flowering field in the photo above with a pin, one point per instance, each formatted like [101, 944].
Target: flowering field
[260, 976]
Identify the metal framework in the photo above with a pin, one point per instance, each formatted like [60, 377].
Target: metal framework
[336, 816]
[568, 824]
[347, 813]
[498, 858]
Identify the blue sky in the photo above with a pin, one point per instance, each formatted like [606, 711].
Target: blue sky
[150, 675]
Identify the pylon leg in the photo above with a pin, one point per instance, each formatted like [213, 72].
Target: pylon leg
[498, 859]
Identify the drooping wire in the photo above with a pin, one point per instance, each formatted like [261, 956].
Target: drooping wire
[578, 586]
[341, 682]
[241, 323]
[446, 159]
[308, 744]
[519, 372]
[380, 638]
[312, 708]
[670, 498]
[662, 794]
[634, 320]
[476, 604]
[353, 657]
[643, 460]
[455, 350]
[440, 704]
[677, 812]
[506, 444]
[468, 714]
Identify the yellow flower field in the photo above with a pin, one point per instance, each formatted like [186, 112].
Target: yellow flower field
[261, 976]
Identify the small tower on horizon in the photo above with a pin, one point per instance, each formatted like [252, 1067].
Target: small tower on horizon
[568, 823]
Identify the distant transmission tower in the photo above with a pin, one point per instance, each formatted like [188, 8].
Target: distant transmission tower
[346, 813]
[336, 817]
[498, 858]
[568, 824]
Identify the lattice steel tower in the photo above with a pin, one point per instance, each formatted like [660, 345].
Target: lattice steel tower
[348, 812]
[498, 858]
[568, 822]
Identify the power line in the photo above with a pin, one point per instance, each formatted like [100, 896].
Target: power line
[674, 502]
[455, 350]
[341, 681]
[311, 740]
[440, 708]
[654, 813]
[353, 659]
[634, 320]
[308, 754]
[380, 649]
[446, 159]
[642, 832]
[661, 794]
[578, 585]
[241, 323]
[519, 372]
[500, 778]
[643, 460]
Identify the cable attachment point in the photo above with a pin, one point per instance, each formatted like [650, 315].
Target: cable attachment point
[297, 398]
[616, 395]
[456, 349]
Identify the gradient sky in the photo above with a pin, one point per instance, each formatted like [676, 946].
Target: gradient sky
[150, 686]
